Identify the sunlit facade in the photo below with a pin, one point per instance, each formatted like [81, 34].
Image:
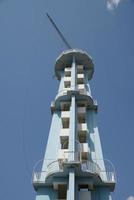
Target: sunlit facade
[73, 167]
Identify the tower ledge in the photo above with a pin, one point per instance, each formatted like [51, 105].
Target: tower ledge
[81, 57]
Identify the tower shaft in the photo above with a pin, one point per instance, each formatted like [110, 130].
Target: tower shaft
[73, 167]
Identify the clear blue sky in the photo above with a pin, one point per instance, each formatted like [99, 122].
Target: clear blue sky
[28, 48]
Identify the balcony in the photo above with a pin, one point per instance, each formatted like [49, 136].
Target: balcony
[82, 129]
[65, 115]
[69, 157]
[64, 138]
[63, 154]
[65, 106]
[64, 132]
[104, 169]
[67, 71]
[80, 78]
[84, 151]
[79, 69]
[39, 178]
[81, 86]
[82, 132]
[81, 112]
[82, 89]
[67, 82]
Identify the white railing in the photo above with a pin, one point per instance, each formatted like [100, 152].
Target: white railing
[103, 168]
[52, 168]
[39, 177]
[91, 167]
[108, 177]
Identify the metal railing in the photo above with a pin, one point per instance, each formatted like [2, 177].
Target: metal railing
[39, 177]
[108, 177]
[91, 167]
[52, 168]
[103, 168]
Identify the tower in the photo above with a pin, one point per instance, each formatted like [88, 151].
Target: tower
[73, 167]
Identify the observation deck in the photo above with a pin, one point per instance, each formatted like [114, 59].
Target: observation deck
[81, 57]
[94, 170]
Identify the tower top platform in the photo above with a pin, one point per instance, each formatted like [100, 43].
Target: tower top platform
[81, 58]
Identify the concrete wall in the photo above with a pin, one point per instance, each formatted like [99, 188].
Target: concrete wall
[46, 194]
[53, 143]
[94, 139]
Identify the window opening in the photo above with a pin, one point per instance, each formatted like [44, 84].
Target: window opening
[62, 192]
[83, 187]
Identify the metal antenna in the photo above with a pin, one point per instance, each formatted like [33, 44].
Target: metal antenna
[59, 32]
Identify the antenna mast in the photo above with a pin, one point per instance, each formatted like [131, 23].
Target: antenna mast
[59, 32]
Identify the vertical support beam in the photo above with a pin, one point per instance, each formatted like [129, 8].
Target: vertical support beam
[73, 75]
[72, 129]
[71, 185]
[73, 120]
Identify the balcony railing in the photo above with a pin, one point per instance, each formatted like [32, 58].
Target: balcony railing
[103, 168]
[91, 167]
[53, 168]
[69, 157]
[108, 177]
[39, 177]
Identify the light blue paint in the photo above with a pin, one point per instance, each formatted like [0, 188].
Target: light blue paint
[95, 144]
[101, 193]
[73, 74]
[53, 141]
[68, 177]
[71, 185]
[46, 193]
[72, 129]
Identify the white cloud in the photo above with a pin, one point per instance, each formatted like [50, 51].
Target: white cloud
[130, 198]
[112, 4]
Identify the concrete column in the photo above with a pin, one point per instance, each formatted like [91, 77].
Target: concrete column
[72, 134]
[71, 185]
[73, 75]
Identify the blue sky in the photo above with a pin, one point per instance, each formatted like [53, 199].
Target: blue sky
[28, 48]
